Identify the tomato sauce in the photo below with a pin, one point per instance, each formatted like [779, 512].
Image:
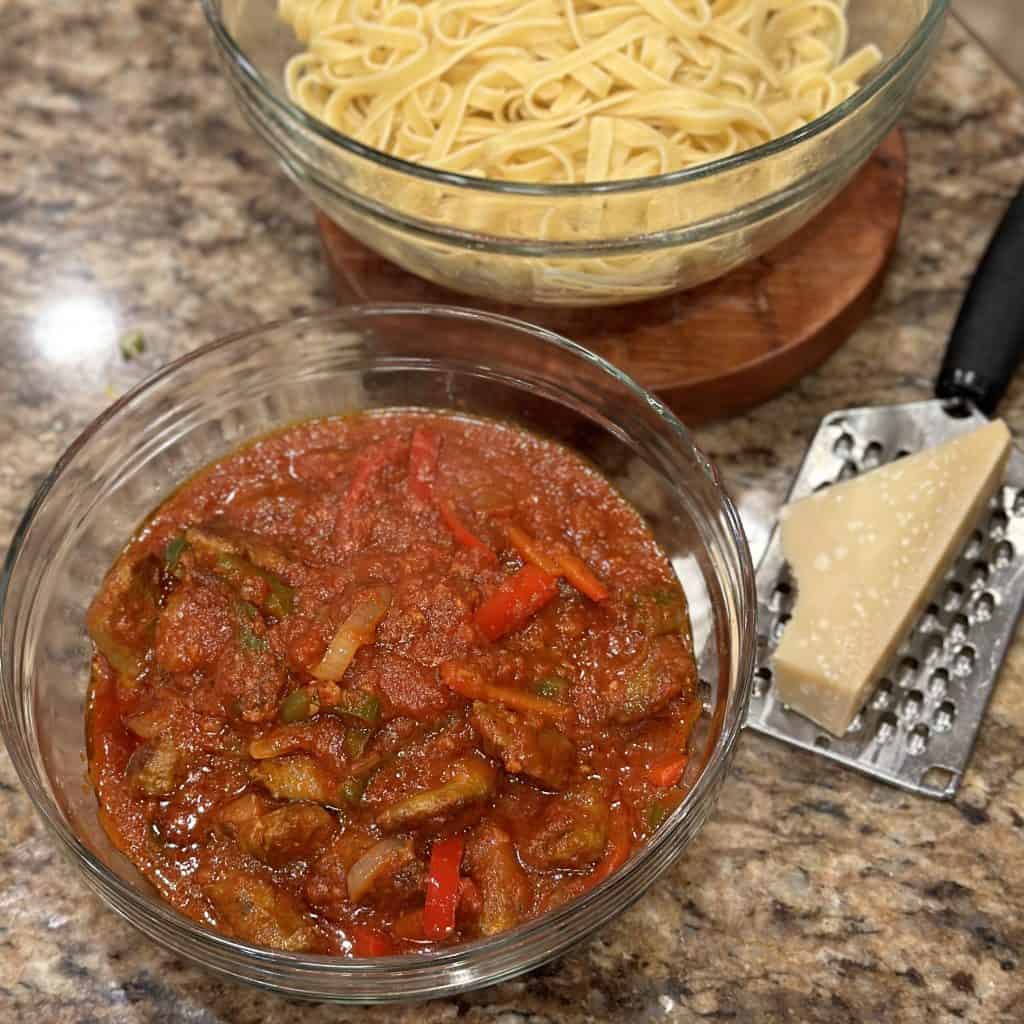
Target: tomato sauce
[378, 683]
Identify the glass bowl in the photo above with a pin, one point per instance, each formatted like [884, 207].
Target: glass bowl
[203, 406]
[623, 241]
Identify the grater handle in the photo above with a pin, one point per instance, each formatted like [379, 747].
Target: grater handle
[987, 342]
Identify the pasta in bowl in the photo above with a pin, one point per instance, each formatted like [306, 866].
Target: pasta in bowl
[567, 91]
[575, 153]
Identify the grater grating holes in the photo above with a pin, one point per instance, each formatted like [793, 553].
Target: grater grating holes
[886, 728]
[1002, 555]
[843, 447]
[848, 472]
[910, 706]
[704, 695]
[872, 457]
[932, 647]
[782, 597]
[984, 606]
[997, 524]
[959, 627]
[945, 716]
[762, 682]
[930, 620]
[963, 661]
[883, 695]
[978, 575]
[917, 739]
[906, 672]
[952, 596]
[938, 683]
[974, 545]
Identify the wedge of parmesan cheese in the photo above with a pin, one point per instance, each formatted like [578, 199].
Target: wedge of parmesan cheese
[866, 554]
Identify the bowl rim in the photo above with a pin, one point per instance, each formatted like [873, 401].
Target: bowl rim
[166, 920]
[889, 70]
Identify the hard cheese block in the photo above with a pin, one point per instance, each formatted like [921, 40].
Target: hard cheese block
[866, 554]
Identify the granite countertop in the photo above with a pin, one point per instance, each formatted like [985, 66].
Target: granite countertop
[133, 197]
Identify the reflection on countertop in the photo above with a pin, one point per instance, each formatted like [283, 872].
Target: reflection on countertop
[132, 199]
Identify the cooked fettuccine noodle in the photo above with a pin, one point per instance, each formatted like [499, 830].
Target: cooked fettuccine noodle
[569, 91]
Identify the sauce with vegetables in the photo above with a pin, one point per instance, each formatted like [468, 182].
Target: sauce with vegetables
[377, 683]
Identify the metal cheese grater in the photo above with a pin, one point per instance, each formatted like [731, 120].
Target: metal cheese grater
[919, 726]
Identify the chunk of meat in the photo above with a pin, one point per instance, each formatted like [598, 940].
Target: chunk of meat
[153, 720]
[387, 875]
[297, 777]
[540, 752]
[214, 540]
[408, 687]
[649, 685]
[255, 910]
[195, 625]
[122, 618]
[277, 835]
[573, 831]
[504, 889]
[189, 814]
[249, 678]
[662, 611]
[157, 768]
[400, 889]
[431, 619]
[471, 781]
[241, 561]
[326, 886]
[426, 758]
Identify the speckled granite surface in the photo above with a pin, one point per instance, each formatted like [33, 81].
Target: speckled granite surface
[132, 197]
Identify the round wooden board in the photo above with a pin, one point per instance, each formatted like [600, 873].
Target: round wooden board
[728, 345]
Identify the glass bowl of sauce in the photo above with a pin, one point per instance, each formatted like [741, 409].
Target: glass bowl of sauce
[430, 660]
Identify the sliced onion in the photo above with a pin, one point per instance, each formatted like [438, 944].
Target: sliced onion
[356, 631]
[383, 858]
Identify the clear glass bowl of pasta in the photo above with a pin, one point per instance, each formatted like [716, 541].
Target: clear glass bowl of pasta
[218, 397]
[572, 244]
[576, 243]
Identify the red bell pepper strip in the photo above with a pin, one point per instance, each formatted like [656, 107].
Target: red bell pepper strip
[367, 941]
[557, 563]
[575, 570]
[458, 530]
[515, 602]
[423, 452]
[668, 772]
[531, 551]
[370, 463]
[442, 889]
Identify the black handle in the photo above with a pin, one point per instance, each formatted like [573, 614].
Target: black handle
[987, 342]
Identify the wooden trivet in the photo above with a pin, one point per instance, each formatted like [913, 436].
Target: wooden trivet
[722, 347]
